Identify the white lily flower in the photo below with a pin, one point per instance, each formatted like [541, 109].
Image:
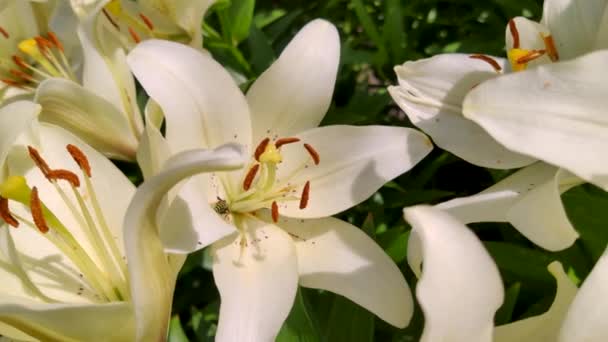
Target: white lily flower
[459, 302]
[269, 223]
[97, 103]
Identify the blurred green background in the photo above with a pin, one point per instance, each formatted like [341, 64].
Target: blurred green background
[247, 36]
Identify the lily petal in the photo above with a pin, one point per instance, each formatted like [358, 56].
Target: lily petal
[15, 117]
[460, 289]
[354, 163]
[431, 92]
[202, 106]
[554, 112]
[337, 256]
[256, 274]
[152, 277]
[294, 94]
[585, 320]
[528, 199]
[544, 327]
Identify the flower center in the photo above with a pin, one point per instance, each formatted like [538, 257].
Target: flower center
[520, 57]
[260, 187]
[106, 279]
[43, 57]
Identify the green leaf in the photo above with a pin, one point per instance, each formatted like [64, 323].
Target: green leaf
[505, 313]
[348, 322]
[369, 27]
[241, 17]
[260, 50]
[394, 34]
[300, 325]
[394, 243]
[176, 332]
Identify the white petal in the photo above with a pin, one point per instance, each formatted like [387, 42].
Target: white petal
[577, 26]
[529, 33]
[354, 163]
[153, 149]
[14, 120]
[337, 256]
[544, 327]
[431, 92]
[586, 319]
[295, 92]
[460, 289]
[152, 277]
[257, 276]
[554, 112]
[68, 322]
[203, 107]
[87, 115]
[528, 199]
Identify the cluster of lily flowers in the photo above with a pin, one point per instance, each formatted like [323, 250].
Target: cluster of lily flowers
[85, 253]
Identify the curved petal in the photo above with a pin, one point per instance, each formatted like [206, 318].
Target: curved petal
[528, 199]
[256, 274]
[152, 278]
[354, 163]
[460, 289]
[585, 321]
[203, 107]
[431, 92]
[530, 35]
[55, 322]
[544, 327]
[87, 115]
[337, 256]
[578, 26]
[294, 94]
[15, 117]
[554, 112]
[153, 149]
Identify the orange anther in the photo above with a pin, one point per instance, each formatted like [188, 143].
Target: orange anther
[4, 32]
[134, 35]
[19, 61]
[260, 149]
[275, 212]
[66, 175]
[11, 83]
[285, 141]
[488, 60]
[37, 214]
[250, 176]
[5, 213]
[53, 39]
[514, 33]
[550, 47]
[147, 21]
[313, 153]
[21, 74]
[305, 195]
[40, 163]
[43, 44]
[109, 17]
[80, 158]
[530, 56]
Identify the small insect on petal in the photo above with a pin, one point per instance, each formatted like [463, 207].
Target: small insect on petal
[36, 208]
[250, 176]
[514, 33]
[305, 195]
[5, 213]
[313, 153]
[285, 141]
[260, 149]
[488, 60]
[80, 158]
[275, 212]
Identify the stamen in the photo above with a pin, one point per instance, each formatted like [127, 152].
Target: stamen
[4, 32]
[12, 83]
[66, 175]
[488, 60]
[305, 195]
[43, 44]
[514, 34]
[20, 62]
[22, 75]
[147, 21]
[250, 176]
[36, 209]
[285, 141]
[530, 56]
[275, 212]
[551, 49]
[260, 149]
[53, 39]
[109, 17]
[313, 153]
[40, 163]
[134, 35]
[5, 213]
[80, 158]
